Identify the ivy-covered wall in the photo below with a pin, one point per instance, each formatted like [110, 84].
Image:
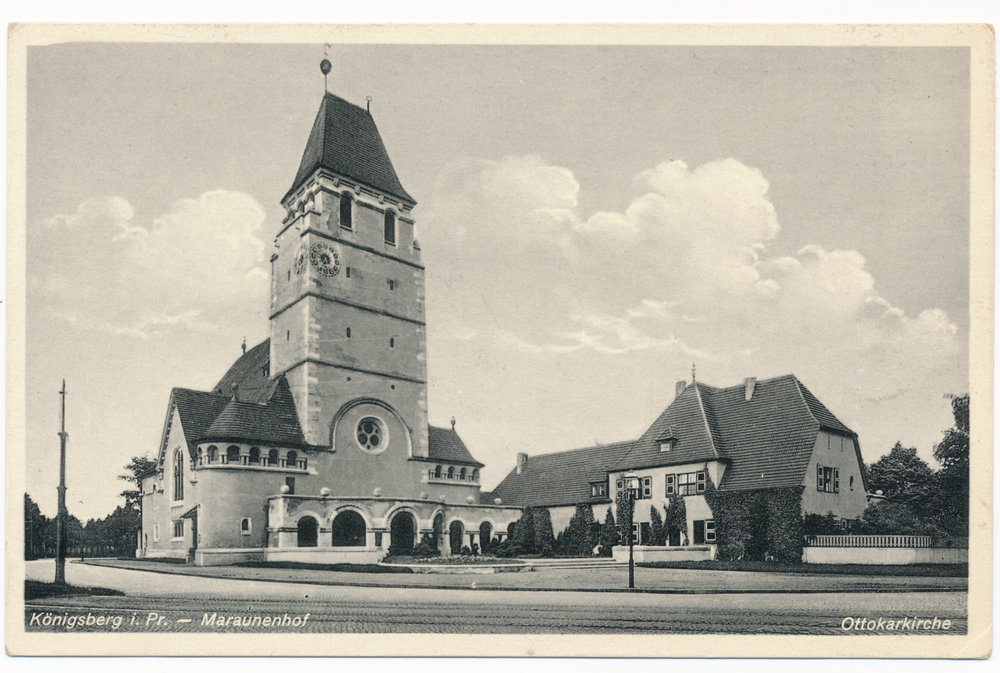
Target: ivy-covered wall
[758, 525]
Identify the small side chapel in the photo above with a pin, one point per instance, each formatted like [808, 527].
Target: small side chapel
[315, 445]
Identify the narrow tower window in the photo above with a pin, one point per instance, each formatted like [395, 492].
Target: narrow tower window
[178, 475]
[392, 342]
[345, 211]
[390, 227]
[348, 272]
[348, 332]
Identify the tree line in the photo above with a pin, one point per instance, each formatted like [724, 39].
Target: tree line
[117, 534]
[918, 499]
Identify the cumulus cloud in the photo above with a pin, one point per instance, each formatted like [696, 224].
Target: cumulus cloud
[685, 274]
[196, 265]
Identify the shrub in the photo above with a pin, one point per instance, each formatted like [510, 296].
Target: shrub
[817, 524]
[891, 518]
[508, 549]
[425, 549]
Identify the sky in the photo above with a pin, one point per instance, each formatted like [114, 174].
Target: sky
[595, 221]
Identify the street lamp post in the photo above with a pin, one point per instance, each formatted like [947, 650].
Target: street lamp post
[631, 491]
[61, 509]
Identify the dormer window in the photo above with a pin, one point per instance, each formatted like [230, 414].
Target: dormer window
[667, 441]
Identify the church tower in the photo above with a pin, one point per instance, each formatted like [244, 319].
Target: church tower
[347, 291]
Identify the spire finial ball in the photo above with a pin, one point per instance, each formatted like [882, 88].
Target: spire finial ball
[325, 67]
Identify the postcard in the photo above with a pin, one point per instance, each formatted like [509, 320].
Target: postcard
[590, 340]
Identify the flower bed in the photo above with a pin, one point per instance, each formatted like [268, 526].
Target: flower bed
[452, 560]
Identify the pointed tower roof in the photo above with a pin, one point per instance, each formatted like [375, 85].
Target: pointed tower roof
[345, 140]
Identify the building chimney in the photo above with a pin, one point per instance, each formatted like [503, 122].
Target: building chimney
[681, 385]
[749, 384]
[522, 458]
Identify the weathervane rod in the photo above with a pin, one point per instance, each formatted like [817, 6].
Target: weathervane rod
[325, 67]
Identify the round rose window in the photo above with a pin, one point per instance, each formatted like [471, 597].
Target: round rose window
[371, 435]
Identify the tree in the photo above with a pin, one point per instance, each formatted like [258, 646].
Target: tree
[579, 539]
[676, 518]
[626, 508]
[545, 541]
[950, 486]
[903, 477]
[524, 531]
[124, 524]
[609, 533]
[138, 466]
[39, 531]
[657, 533]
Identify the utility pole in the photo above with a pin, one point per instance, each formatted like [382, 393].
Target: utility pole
[61, 513]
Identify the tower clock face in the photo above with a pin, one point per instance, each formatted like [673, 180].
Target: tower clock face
[325, 259]
[301, 260]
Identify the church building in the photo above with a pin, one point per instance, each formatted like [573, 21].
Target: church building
[315, 445]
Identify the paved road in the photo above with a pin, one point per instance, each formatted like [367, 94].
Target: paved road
[340, 609]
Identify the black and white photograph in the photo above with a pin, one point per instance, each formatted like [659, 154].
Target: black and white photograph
[489, 331]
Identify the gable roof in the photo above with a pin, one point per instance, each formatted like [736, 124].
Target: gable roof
[345, 140]
[766, 441]
[561, 478]
[446, 446]
[687, 421]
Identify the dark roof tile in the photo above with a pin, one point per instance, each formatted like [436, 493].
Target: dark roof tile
[252, 375]
[686, 420]
[558, 478]
[274, 422]
[345, 140]
[197, 410]
[446, 446]
[766, 442]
